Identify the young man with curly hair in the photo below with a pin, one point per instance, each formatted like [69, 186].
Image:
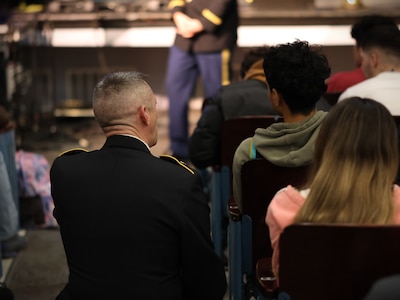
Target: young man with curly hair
[295, 76]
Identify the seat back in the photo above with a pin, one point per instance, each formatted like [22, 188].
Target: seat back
[332, 98]
[397, 120]
[335, 261]
[248, 233]
[233, 132]
[260, 181]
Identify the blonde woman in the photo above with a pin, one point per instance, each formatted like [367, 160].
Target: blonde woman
[354, 166]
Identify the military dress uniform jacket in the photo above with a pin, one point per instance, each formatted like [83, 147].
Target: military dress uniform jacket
[134, 226]
[219, 18]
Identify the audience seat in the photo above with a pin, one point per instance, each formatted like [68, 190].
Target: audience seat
[332, 98]
[233, 132]
[248, 238]
[333, 262]
[31, 212]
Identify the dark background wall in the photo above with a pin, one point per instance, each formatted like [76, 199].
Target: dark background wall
[70, 73]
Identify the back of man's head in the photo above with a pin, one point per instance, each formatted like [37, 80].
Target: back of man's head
[118, 95]
[297, 71]
[251, 57]
[384, 37]
[361, 28]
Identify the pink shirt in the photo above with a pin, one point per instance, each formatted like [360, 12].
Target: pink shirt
[284, 207]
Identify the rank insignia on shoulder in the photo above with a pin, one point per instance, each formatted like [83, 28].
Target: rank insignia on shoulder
[72, 151]
[176, 161]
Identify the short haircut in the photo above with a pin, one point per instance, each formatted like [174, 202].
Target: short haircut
[384, 37]
[118, 95]
[361, 28]
[298, 72]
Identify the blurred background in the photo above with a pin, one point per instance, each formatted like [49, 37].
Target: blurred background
[52, 52]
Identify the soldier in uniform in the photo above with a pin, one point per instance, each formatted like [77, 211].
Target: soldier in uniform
[134, 226]
[206, 34]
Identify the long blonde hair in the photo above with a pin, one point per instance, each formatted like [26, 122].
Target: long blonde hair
[355, 163]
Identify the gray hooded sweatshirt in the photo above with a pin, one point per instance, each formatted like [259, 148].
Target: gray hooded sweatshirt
[283, 144]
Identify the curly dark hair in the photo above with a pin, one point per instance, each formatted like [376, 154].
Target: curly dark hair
[360, 29]
[297, 71]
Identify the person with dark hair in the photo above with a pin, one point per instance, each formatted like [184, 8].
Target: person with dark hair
[252, 56]
[351, 181]
[295, 75]
[134, 226]
[340, 81]
[380, 53]
[206, 35]
[243, 98]
[360, 29]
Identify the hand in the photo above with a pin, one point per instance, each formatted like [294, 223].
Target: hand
[186, 26]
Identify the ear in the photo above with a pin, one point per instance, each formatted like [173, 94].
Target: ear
[143, 115]
[276, 97]
[375, 60]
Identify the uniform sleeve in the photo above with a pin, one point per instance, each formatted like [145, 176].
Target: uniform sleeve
[203, 273]
[176, 5]
[204, 144]
[214, 15]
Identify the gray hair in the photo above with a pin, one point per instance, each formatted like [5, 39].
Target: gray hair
[118, 95]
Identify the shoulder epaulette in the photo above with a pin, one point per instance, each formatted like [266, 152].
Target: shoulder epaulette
[176, 161]
[72, 152]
